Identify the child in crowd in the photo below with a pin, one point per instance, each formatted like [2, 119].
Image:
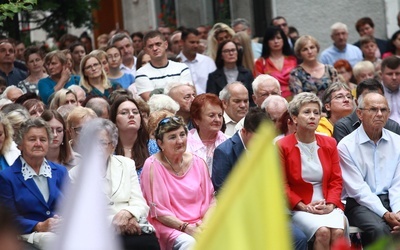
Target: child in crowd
[369, 47]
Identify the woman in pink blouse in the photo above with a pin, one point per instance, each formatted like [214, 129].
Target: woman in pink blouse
[176, 186]
[276, 59]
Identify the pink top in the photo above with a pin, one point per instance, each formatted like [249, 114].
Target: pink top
[265, 66]
[186, 197]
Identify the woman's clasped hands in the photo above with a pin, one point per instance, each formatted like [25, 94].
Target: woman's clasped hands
[319, 207]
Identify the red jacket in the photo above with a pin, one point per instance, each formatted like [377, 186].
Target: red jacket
[296, 188]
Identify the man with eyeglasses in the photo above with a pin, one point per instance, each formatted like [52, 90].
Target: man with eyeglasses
[281, 22]
[390, 74]
[348, 124]
[160, 71]
[370, 163]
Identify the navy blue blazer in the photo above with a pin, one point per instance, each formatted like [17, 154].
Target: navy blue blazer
[25, 199]
[217, 81]
[225, 157]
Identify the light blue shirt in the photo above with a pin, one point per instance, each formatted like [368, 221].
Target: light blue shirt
[351, 53]
[257, 49]
[393, 98]
[370, 169]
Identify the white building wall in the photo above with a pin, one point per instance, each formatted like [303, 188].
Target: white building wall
[314, 17]
[139, 15]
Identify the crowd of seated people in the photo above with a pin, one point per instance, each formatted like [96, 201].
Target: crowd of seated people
[173, 115]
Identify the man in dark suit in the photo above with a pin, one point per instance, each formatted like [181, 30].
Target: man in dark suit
[228, 152]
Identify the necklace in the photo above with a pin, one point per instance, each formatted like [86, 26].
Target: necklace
[129, 149]
[308, 150]
[173, 169]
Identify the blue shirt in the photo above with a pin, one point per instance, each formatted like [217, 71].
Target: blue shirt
[351, 53]
[125, 80]
[46, 86]
[14, 77]
[370, 169]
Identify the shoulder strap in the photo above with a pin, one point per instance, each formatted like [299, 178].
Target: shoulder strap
[152, 203]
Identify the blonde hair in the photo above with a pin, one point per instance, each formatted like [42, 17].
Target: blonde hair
[245, 42]
[8, 134]
[60, 97]
[212, 43]
[78, 114]
[84, 79]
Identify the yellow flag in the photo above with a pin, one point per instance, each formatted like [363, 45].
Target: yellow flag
[251, 212]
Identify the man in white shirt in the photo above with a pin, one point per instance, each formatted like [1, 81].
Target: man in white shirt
[370, 163]
[390, 75]
[199, 65]
[159, 71]
[235, 99]
[124, 43]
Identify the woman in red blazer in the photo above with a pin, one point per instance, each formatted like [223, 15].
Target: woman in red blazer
[313, 176]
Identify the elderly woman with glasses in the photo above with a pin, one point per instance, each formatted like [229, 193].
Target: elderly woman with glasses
[32, 186]
[177, 187]
[127, 207]
[313, 183]
[338, 103]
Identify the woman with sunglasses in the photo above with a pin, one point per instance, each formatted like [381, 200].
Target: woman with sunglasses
[176, 186]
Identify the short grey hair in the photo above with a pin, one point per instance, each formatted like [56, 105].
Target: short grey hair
[263, 78]
[97, 125]
[163, 102]
[97, 104]
[32, 123]
[4, 95]
[300, 100]
[225, 93]
[241, 21]
[338, 26]
[274, 99]
[327, 95]
[172, 85]
[118, 37]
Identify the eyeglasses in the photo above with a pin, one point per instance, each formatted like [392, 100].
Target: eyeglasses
[228, 51]
[77, 129]
[342, 97]
[373, 110]
[93, 66]
[168, 119]
[128, 112]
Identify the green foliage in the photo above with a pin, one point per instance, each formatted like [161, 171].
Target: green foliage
[54, 16]
[8, 10]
